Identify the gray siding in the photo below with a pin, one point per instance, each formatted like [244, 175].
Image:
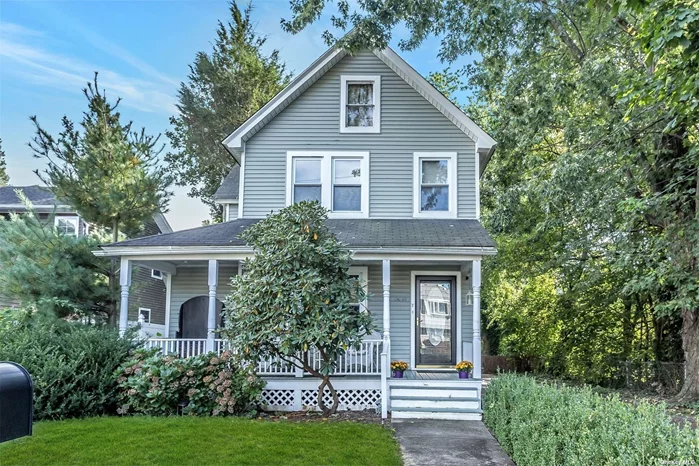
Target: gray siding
[147, 292]
[193, 281]
[409, 123]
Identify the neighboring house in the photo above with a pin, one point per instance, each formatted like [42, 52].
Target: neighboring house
[398, 166]
[149, 286]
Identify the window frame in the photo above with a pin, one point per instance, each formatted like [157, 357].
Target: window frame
[418, 158]
[153, 275]
[150, 315]
[74, 219]
[327, 168]
[362, 271]
[375, 81]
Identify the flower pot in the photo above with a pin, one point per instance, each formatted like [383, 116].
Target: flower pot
[397, 374]
[464, 375]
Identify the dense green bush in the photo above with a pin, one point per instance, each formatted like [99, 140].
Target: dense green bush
[207, 385]
[541, 424]
[72, 365]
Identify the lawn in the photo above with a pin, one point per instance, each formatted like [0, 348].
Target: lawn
[198, 440]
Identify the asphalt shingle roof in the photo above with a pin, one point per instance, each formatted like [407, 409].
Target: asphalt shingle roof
[356, 233]
[229, 186]
[38, 195]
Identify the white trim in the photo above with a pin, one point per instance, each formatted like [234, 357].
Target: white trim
[413, 276]
[478, 185]
[168, 303]
[241, 183]
[392, 60]
[160, 220]
[326, 178]
[75, 220]
[451, 157]
[140, 310]
[153, 274]
[375, 81]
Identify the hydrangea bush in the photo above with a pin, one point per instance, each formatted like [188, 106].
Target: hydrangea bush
[203, 385]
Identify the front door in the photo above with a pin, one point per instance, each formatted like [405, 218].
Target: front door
[435, 321]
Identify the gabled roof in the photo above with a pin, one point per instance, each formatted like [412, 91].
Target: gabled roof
[229, 189]
[484, 143]
[39, 196]
[356, 233]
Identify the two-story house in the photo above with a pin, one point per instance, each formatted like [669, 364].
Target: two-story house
[398, 166]
[148, 299]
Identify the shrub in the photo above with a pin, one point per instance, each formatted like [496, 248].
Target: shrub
[72, 365]
[207, 385]
[553, 424]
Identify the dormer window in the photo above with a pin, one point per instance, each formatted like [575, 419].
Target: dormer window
[360, 104]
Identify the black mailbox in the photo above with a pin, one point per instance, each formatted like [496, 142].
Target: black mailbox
[16, 401]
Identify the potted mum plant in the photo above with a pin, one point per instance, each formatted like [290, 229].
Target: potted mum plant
[398, 367]
[464, 369]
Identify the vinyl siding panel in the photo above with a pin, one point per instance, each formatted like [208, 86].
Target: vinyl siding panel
[147, 292]
[193, 281]
[409, 124]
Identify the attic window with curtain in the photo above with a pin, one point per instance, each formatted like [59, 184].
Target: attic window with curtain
[360, 109]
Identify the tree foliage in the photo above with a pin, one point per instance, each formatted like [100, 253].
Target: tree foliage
[4, 178]
[52, 271]
[224, 88]
[297, 295]
[107, 172]
[595, 181]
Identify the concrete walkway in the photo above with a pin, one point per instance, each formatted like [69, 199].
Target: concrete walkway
[443, 443]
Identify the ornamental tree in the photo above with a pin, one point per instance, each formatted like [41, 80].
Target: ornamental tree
[296, 296]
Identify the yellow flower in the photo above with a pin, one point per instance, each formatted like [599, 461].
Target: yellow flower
[315, 236]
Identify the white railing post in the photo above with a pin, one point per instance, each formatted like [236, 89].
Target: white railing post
[477, 369]
[125, 282]
[386, 348]
[211, 322]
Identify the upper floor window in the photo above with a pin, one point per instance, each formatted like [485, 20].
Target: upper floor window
[360, 104]
[67, 225]
[435, 184]
[338, 180]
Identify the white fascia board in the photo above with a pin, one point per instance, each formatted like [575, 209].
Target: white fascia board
[161, 221]
[235, 139]
[226, 201]
[436, 98]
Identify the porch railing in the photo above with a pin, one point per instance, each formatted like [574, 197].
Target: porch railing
[366, 360]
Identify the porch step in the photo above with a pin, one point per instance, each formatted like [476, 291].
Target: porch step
[426, 400]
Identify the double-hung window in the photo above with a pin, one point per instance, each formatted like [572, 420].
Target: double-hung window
[339, 181]
[360, 104]
[67, 225]
[435, 184]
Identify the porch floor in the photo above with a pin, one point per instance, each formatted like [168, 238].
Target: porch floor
[431, 375]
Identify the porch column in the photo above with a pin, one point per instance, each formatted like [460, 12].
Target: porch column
[477, 319]
[125, 282]
[211, 322]
[386, 349]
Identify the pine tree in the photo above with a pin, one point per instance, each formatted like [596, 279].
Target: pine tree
[225, 88]
[4, 178]
[107, 172]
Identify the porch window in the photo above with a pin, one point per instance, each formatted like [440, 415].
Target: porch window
[435, 184]
[360, 275]
[307, 180]
[67, 225]
[339, 181]
[360, 104]
[156, 274]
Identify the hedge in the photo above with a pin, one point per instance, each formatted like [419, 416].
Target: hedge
[541, 424]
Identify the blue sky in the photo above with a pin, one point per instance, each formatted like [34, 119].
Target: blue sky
[49, 50]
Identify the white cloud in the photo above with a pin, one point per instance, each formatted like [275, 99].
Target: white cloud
[42, 67]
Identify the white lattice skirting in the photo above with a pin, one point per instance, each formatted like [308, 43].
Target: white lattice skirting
[302, 395]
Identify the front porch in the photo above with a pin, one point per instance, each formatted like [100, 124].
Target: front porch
[426, 312]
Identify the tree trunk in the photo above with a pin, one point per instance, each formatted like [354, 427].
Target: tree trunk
[690, 345]
[321, 404]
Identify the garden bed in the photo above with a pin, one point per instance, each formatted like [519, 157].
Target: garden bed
[201, 440]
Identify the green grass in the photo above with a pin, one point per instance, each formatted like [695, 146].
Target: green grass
[198, 441]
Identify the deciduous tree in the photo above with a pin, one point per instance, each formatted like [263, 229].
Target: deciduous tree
[4, 178]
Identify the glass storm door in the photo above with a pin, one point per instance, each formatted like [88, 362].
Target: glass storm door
[435, 321]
